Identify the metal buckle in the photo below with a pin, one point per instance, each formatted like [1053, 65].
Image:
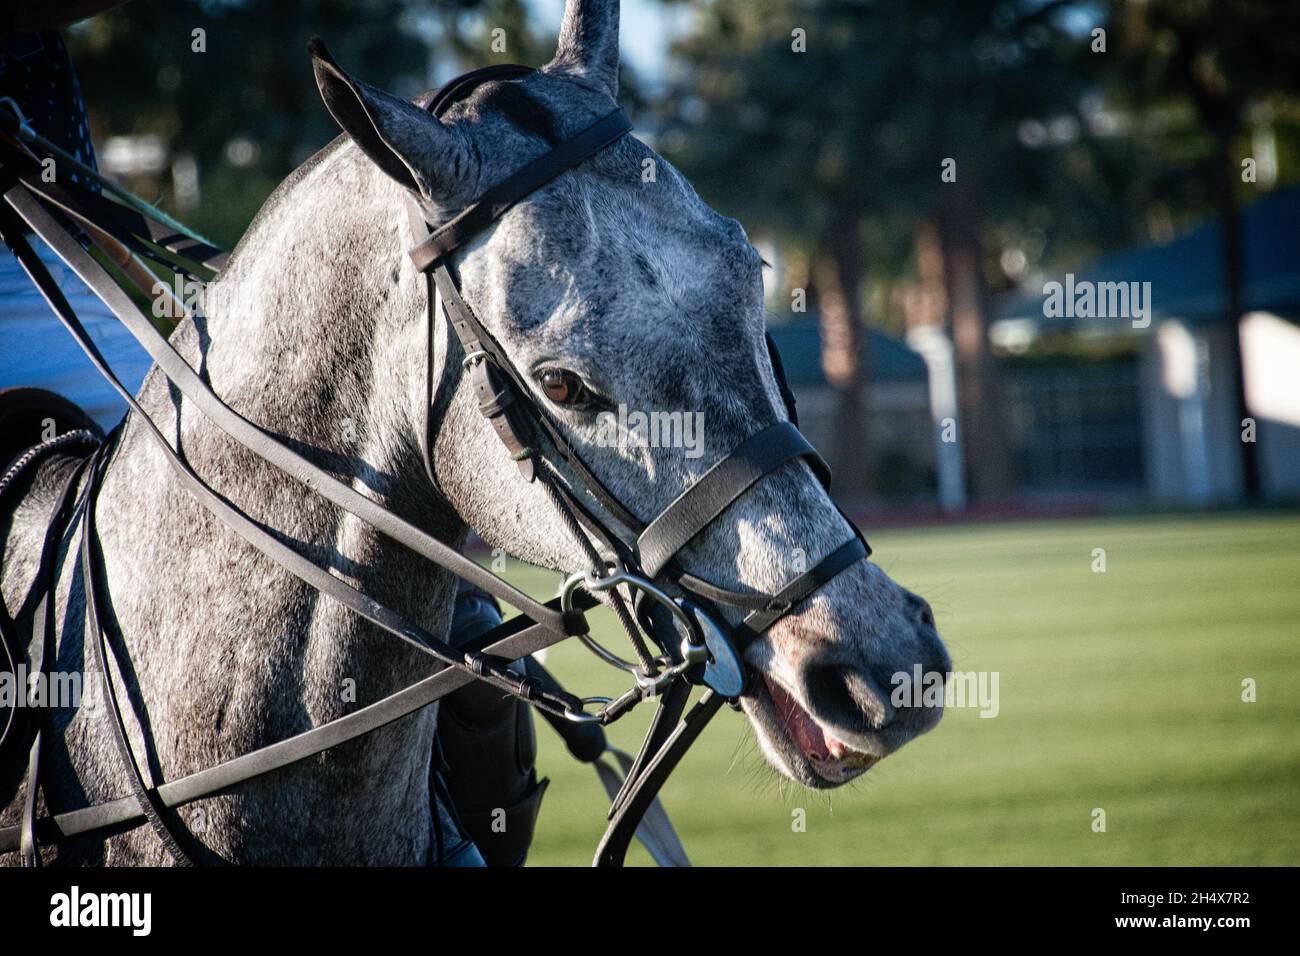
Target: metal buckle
[705, 642]
[620, 575]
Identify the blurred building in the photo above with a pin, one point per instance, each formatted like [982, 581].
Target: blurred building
[900, 430]
[1155, 417]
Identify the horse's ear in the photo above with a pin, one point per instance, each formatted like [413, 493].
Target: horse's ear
[588, 49]
[404, 141]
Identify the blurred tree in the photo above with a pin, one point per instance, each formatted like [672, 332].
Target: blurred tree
[1224, 57]
[225, 86]
[770, 118]
[861, 129]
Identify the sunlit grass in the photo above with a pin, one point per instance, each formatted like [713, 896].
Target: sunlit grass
[1120, 691]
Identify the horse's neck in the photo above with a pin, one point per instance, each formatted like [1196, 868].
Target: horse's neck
[315, 334]
[311, 334]
[304, 321]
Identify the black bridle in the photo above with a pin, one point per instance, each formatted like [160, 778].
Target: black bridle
[692, 643]
[709, 653]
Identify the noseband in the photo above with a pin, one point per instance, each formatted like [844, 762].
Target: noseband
[678, 613]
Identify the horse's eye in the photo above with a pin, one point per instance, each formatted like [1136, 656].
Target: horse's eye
[563, 387]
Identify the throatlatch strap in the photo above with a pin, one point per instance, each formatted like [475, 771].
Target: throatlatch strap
[782, 384]
[700, 505]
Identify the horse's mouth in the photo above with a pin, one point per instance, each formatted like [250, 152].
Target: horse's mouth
[807, 749]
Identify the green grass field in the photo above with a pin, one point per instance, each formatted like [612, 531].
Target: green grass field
[1119, 690]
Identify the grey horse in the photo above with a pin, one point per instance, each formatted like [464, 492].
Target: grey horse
[627, 285]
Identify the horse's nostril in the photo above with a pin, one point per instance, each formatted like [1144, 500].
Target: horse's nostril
[846, 696]
[927, 616]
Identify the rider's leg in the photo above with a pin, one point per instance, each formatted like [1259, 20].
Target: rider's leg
[489, 746]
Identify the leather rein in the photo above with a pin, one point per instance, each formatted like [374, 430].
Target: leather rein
[681, 641]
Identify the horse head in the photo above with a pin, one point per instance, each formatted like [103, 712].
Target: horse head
[618, 294]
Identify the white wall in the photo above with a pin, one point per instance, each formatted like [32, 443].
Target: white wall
[1192, 433]
[1271, 353]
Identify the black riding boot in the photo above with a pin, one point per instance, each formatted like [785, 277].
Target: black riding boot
[489, 747]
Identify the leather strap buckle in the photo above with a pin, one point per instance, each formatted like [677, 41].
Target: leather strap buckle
[778, 606]
[497, 402]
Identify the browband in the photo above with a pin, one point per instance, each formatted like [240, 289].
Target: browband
[498, 200]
